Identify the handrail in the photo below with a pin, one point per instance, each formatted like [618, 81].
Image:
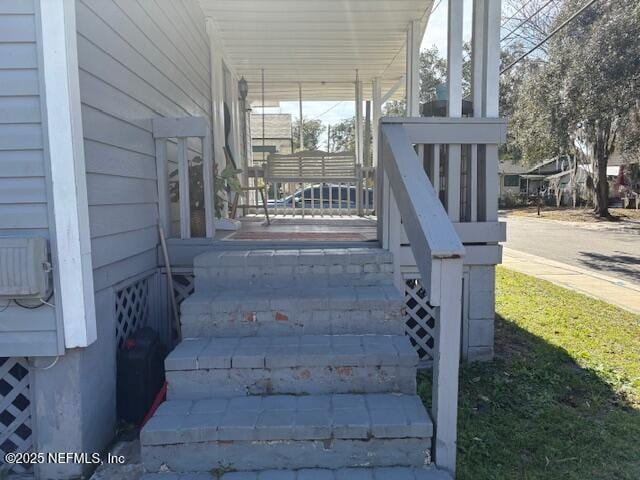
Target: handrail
[429, 229]
[438, 252]
[413, 189]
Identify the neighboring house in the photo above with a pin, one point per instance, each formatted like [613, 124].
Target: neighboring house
[534, 177]
[276, 138]
[102, 100]
[526, 181]
[624, 179]
[509, 178]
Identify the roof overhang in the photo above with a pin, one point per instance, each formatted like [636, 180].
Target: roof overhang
[316, 44]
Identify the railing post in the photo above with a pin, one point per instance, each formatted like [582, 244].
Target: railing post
[454, 106]
[208, 183]
[446, 362]
[183, 188]
[162, 176]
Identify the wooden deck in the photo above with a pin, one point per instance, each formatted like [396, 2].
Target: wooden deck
[308, 229]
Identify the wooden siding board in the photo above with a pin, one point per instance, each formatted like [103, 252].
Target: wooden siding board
[18, 55]
[110, 130]
[160, 29]
[20, 136]
[108, 220]
[145, 88]
[114, 273]
[23, 216]
[22, 344]
[112, 190]
[112, 160]
[111, 100]
[110, 249]
[22, 190]
[17, 28]
[19, 82]
[22, 109]
[181, 18]
[15, 319]
[22, 163]
[16, 7]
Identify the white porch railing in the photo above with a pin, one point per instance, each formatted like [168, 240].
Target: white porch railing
[170, 131]
[317, 184]
[412, 211]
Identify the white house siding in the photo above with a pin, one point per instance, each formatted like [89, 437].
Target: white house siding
[137, 60]
[23, 191]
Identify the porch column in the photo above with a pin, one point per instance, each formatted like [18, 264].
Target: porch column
[217, 106]
[376, 113]
[358, 121]
[454, 105]
[478, 62]
[412, 77]
[491, 102]
[359, 126]
[301, 125]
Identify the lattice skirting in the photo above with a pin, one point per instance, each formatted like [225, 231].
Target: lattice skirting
[133, 305]
[15, 412]
[420, 318]
[183, 284]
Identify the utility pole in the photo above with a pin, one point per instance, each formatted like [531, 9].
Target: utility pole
[301, 120]
[328, 138]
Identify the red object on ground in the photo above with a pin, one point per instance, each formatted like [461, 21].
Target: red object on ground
[160, 397]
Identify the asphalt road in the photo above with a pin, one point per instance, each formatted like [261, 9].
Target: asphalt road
[614, 253]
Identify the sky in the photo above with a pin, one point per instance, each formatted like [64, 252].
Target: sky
[333, 112]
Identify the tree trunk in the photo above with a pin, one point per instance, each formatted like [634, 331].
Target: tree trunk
[601, 185]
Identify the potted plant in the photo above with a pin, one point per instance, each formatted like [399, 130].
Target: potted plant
[224, 183]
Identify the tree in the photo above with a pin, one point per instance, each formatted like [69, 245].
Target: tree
[586, 95]
[528, 22]
[312, 129]
[433, 73]
[343, 135]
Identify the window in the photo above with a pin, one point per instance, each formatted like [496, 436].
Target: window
[512, 180]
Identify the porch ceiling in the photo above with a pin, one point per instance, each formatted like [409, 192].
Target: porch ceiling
[319, 43]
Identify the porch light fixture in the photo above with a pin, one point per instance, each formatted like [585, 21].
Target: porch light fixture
[243, 88]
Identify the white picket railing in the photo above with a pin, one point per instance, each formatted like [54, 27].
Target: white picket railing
[317, 184]
[424, 216]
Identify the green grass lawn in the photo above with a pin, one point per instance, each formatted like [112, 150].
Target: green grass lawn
[562, 398]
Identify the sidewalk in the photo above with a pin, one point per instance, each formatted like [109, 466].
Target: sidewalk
[611, 290]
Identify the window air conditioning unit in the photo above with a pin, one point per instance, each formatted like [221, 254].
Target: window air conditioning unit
[24, 268]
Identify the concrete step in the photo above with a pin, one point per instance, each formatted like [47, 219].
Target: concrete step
[388, 473]
[284, 268]
[314, 431]
[309, 364]
[307, 310]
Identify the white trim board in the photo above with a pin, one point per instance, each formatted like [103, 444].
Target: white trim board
[68, 176]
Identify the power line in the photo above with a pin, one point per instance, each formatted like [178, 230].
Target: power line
[526, 20]
[328, 110]
[504, 23]
[548, 37]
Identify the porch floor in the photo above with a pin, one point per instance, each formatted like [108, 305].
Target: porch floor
[296, 228]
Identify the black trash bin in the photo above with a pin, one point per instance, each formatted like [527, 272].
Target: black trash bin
[140, 374]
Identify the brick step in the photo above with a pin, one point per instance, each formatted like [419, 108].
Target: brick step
[296, 432]
[388, 473]
[284, 268]
[293, 311]
[309, 364]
